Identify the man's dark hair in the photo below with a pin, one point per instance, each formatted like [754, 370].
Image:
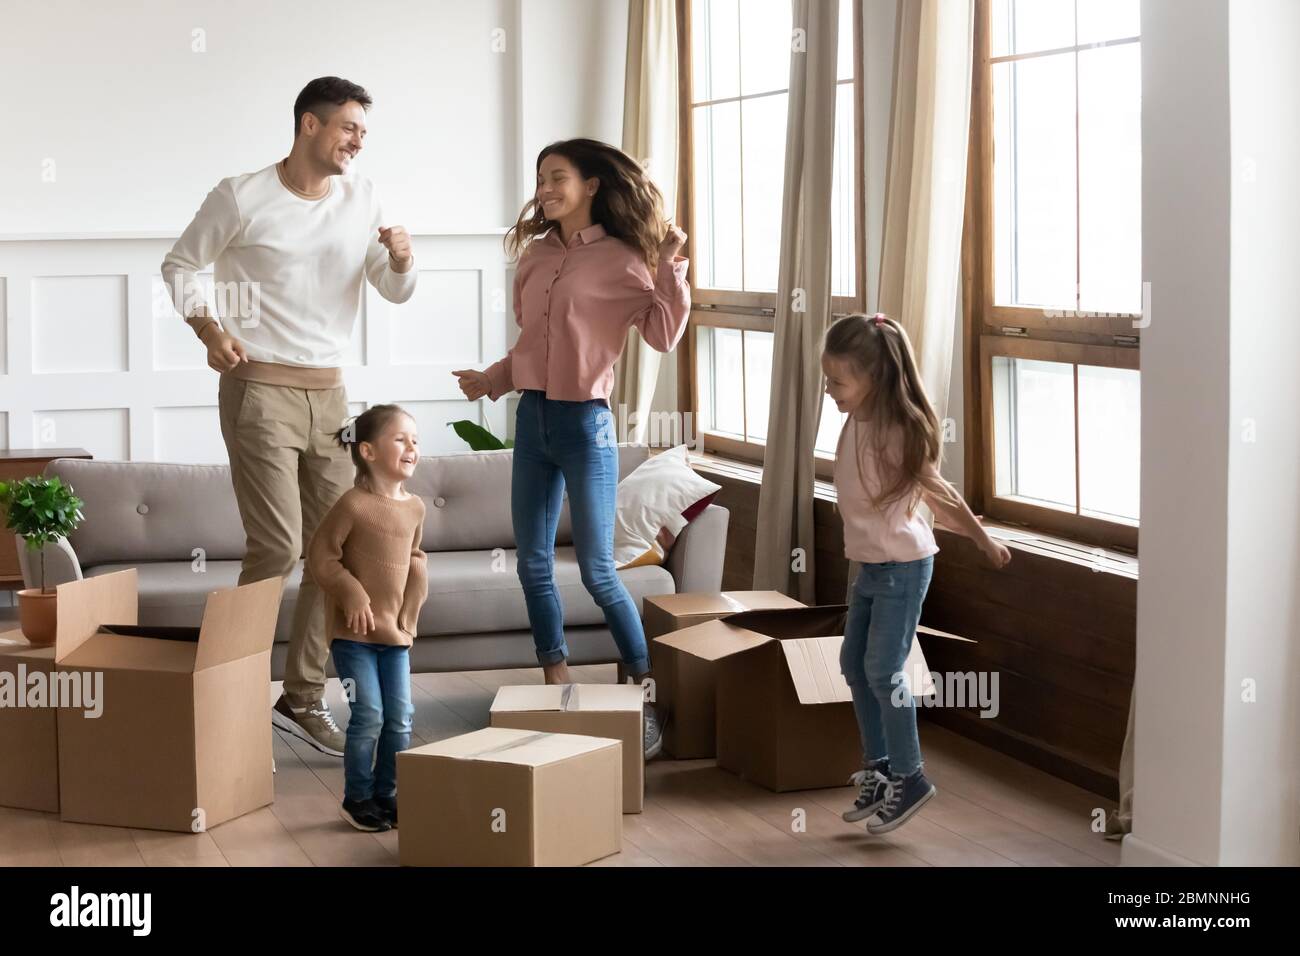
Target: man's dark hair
[326, 91]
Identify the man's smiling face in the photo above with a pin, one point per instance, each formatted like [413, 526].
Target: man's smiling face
[338, 139]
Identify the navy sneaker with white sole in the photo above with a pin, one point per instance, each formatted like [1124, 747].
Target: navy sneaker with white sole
[873, 788]
[906, 796]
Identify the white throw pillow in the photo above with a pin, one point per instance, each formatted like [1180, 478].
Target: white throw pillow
[652, 502]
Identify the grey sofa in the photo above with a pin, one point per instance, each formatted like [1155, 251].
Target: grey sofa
[178, 524]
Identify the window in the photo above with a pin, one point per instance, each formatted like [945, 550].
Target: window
[1057, 297]
[736, 104]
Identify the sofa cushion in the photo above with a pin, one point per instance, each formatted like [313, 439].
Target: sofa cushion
[151, 511]
[467, 594]
[172, 593]
[145, 511]
[467, 499]
[477, 591]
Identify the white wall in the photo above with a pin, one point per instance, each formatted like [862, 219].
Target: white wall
[1215, 777]
[1261, 785]
[139, 124]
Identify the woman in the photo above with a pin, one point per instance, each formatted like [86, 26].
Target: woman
[595, 258]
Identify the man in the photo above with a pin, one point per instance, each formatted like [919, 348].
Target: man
[292, 245]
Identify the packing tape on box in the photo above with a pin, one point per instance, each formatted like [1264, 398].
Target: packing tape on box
[735, 605]
[569, 698]
[502, 748]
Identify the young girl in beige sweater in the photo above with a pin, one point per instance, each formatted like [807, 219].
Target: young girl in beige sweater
[366, 555]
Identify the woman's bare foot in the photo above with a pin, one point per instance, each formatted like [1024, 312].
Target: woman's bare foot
[557, 673]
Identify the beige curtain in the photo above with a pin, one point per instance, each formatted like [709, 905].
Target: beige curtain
[649, 135]
[784, 545]
[925, 188]
[1120, 820]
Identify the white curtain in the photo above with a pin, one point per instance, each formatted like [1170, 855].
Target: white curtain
[925, 188]
[649, 135]
[784, 545]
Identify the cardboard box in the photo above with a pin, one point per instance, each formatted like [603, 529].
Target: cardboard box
[684, 684]
[184, 740]
[785, 716]
[505, 797]
[665, 613]
[595, 710]
[29, 739]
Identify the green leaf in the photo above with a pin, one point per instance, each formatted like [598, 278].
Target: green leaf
[476, 436]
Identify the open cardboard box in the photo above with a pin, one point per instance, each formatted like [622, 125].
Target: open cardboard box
[784, 712]
[684, 680]
[594, 710]
[665, 613]
[29, 737]
[183, 741]
[506, 797]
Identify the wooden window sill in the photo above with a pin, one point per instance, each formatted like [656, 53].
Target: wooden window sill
[1102, 560]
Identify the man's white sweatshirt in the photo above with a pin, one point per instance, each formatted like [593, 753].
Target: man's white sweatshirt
[288, 271]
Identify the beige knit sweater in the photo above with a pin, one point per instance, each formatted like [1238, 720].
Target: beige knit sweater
[367, 548]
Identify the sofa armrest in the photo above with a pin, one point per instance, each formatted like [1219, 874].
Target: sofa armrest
[61, 564]
[695, 561]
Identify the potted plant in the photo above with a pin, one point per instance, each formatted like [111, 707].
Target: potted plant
[41, 510]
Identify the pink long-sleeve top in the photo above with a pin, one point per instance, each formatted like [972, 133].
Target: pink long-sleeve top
[574, 304]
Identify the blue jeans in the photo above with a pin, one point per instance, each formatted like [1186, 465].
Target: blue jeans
[559, 444]
[380, 725]
[883, 614]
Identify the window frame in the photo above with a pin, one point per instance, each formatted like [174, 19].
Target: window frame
[747, 310]
[1112, 341]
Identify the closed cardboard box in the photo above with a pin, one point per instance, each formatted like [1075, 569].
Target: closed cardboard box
[29, 738]
[594, 710]
[665, 613]
[183, 741]
[785, 716]
[505, 797]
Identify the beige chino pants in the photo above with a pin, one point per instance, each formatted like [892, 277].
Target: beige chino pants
[287, 471]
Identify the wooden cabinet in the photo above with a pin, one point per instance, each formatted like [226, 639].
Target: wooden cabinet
[22, 463]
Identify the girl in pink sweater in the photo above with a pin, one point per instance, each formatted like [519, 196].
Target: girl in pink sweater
[886, 464]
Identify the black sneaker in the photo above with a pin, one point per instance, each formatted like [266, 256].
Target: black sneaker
[873, 789]
[653, 732]
[365, 815]
[387, 806]
[906, 796]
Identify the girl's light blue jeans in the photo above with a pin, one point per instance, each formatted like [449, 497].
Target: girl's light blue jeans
[380, 726]
[883, 614]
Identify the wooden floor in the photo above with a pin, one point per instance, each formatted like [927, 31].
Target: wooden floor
[990, 811]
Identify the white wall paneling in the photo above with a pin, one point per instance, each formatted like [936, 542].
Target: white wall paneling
[98, 358]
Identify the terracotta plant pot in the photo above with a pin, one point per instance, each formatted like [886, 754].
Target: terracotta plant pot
[37, 616]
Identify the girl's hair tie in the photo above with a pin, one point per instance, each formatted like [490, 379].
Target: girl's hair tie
[879, 318]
